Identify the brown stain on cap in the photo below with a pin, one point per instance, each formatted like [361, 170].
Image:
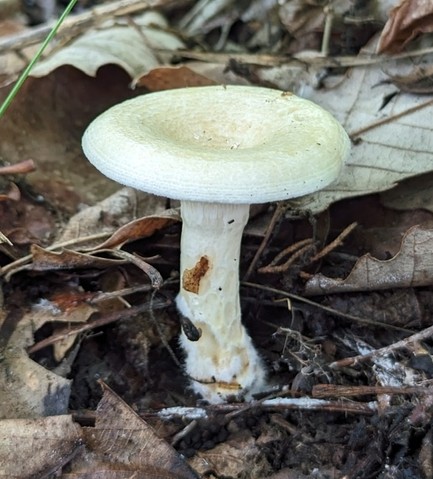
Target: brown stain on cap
[191, 277]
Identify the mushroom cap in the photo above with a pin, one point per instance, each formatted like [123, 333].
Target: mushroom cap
[223, 144]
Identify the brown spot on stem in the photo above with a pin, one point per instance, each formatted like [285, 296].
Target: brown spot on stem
[191, 277]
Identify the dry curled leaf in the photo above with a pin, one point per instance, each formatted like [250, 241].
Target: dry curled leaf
[140, 228]
[131, 47]
[45, 260]
[119, 208]
[153, 274]
[410, 267]
[420, 81]
[407, 20]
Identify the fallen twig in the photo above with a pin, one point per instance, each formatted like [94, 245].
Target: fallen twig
[356, 133]
[321, 391]
[298, 249]
[285, 294]
[25, 166]
[80, 22]
[279, 210]
[404, 343]
[276, 404]
[317, 61]
[11, 268]
[334, 244]
[98, 322]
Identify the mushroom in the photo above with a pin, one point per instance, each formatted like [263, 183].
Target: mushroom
[217, 150]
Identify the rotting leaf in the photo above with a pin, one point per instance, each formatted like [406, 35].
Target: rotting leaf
[169, 77]
[140, 228]
[13, 193]
[411, 266]
[50, 442]
[407, 20]
[73, 307]
[233, 458]
[123, 445]
[23, 220]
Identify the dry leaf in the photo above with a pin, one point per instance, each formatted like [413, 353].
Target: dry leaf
[410, 267]
[420, 80]
[411, 194]
[120, 46]
[130, 47]
[140, 228]
[392, 142]
[407, 20]
[122, 445]
[153, 274]
[55, 147]
[232, 458]
[301, 18]
[117, 209]
[199, 18]
[34, 448]
[169, 77]
[28, 390]
[74, 308]
[44, 260]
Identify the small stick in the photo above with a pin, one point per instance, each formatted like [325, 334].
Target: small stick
[303, 246]
[275, 404]
[96, 323]
[404, 343]
[331, 390]
[185, 431]
[15, 266]
[351, 317]
[318, 61]
[389, 119]
[80, 22]
[290, 249]
[275, 217]
[334, 244]
[26, 166]
[327, 30]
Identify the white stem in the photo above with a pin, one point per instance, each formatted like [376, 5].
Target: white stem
[209, 296]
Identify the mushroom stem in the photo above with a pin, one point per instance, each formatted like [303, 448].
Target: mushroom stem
[224, 358]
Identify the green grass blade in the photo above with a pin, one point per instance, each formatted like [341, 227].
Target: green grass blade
[24, 75]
